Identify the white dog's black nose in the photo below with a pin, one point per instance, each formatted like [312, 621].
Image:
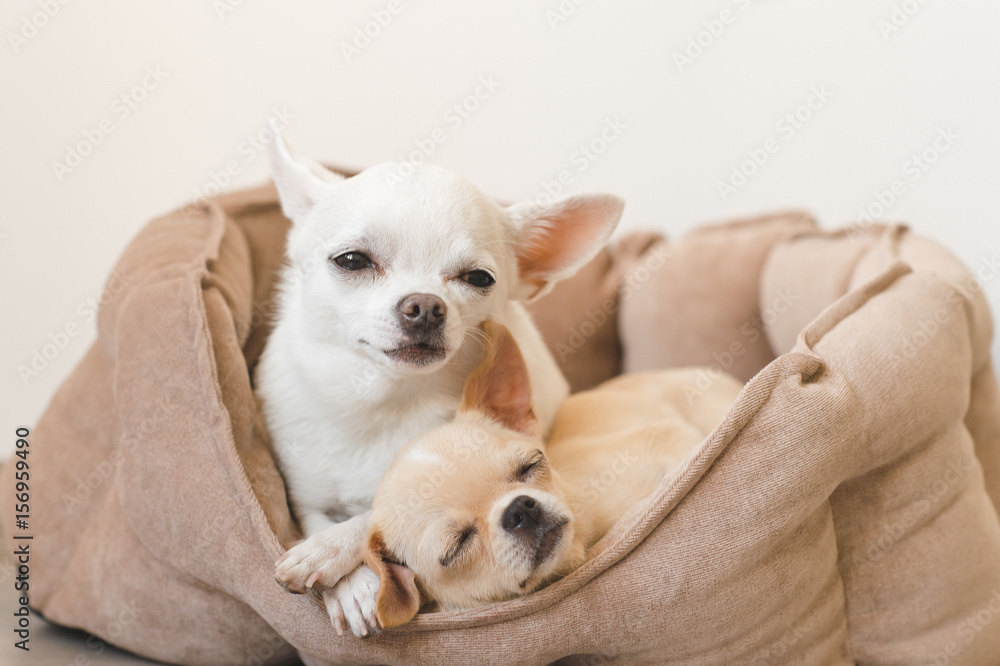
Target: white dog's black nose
[421, 313]
[522, 515]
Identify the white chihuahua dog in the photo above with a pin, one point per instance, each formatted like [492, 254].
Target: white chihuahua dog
[388, 279]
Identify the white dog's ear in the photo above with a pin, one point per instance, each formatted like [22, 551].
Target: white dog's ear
[301, 182]
[500, 387]
[555, 241]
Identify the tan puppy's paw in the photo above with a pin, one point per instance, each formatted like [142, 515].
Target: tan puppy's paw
[352, 603]
[323, 559]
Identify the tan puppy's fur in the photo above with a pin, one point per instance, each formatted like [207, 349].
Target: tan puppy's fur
[473, 512]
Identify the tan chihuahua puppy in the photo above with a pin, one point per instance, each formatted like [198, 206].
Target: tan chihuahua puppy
[475, 511]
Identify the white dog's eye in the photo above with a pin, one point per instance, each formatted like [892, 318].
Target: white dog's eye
[479, 279]
[354, 261]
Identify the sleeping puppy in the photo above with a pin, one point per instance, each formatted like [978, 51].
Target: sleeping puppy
[388, 278]
[479, 510]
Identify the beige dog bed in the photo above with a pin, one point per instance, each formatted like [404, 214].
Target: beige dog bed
[844, 511]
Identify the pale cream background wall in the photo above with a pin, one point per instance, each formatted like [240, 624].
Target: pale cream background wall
[880, 96]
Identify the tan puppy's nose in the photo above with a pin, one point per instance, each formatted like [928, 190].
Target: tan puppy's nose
[522, 515]
[421, 313]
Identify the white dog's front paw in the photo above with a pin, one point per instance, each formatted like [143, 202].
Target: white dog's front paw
[352, 603]
[321, 560]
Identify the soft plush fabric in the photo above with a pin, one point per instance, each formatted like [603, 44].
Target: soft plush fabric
[845, 510]
[701, 298]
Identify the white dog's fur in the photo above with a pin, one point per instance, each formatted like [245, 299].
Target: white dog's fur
[345, 384]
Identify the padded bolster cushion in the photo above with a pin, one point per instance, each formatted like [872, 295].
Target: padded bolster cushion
[842, 511]
[916, 519]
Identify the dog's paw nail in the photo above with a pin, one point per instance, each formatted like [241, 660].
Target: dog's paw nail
[338, 624]
[312, 579]
[288, 586]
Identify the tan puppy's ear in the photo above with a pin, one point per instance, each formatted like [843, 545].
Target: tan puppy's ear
[500, 386]
[558, 239]
[398, 597]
